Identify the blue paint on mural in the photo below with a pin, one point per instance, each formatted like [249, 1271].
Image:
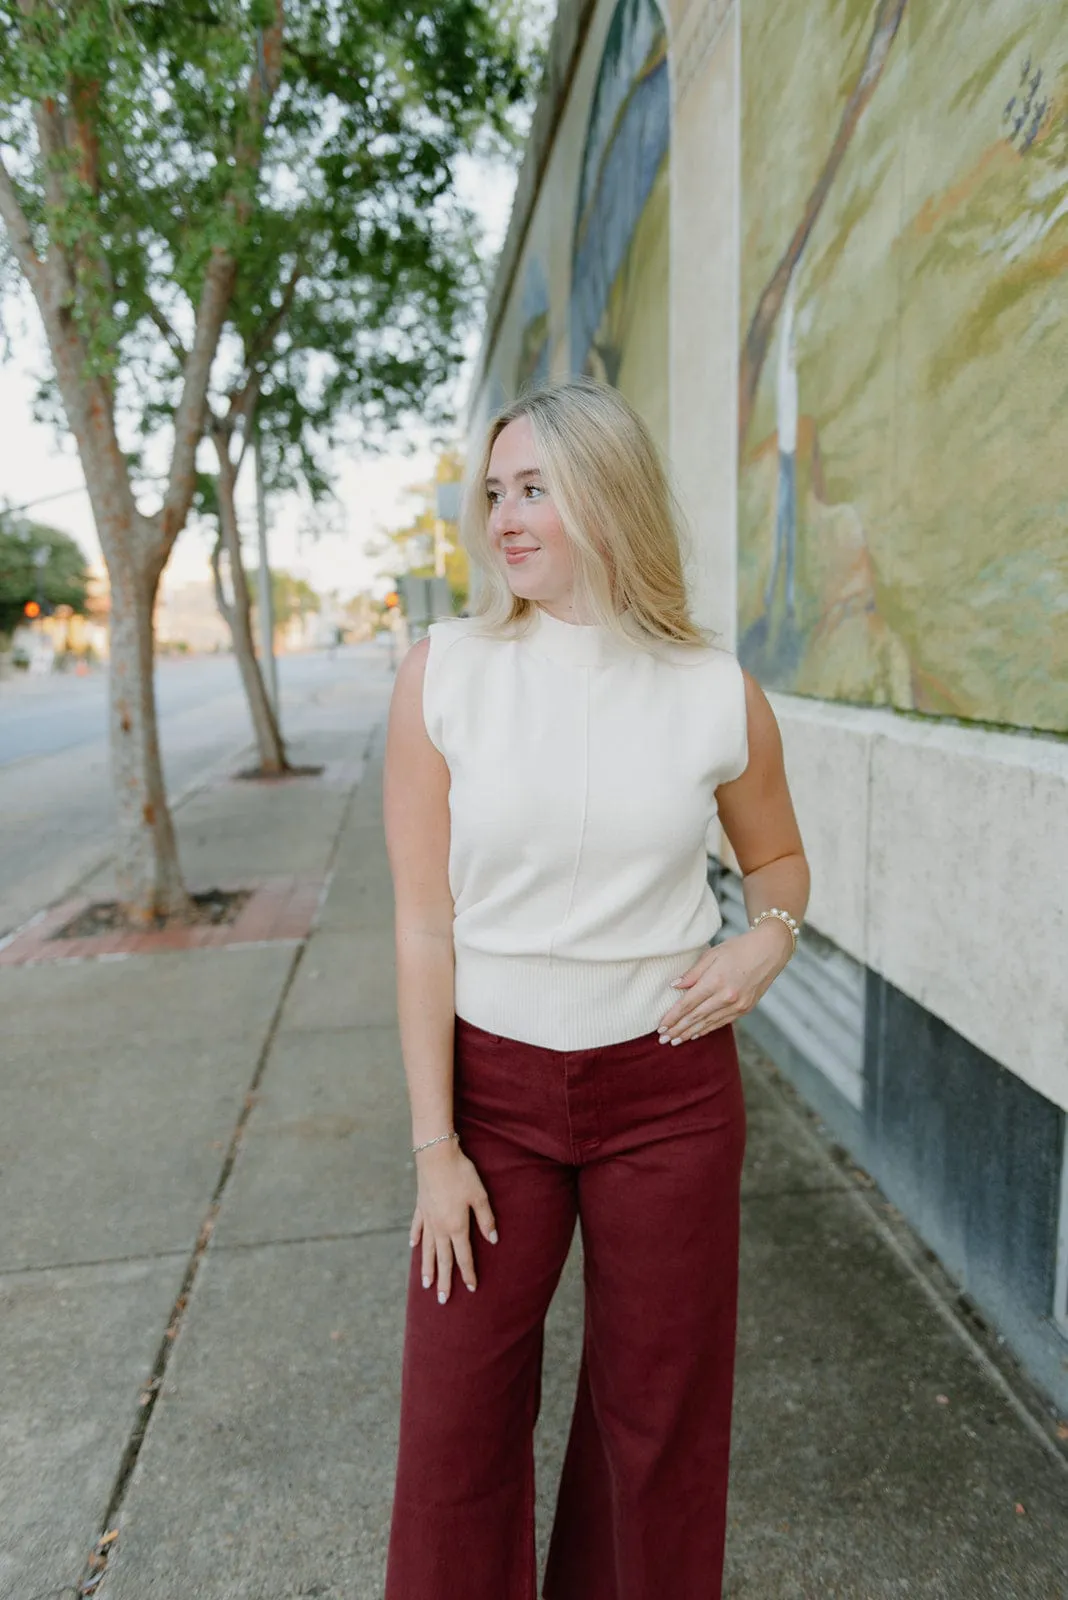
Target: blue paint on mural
[626, 142]
[533, 364]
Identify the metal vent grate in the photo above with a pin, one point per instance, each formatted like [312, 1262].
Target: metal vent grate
[818, 1001]
[1060, 1292]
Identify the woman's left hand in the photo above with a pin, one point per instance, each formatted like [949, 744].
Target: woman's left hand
[727, 982]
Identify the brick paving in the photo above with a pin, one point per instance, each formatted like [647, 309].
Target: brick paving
[279, 910]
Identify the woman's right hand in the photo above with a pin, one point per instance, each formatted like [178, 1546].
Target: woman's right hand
[449, 1189]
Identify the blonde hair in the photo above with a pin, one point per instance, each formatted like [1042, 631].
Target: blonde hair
[606, 479]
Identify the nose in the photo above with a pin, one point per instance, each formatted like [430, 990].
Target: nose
[505, 516]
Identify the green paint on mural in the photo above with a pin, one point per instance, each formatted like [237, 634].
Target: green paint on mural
[903, 498]
[619, 285]
[532, 365]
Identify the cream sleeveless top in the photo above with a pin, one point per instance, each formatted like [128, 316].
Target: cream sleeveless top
[582, 801]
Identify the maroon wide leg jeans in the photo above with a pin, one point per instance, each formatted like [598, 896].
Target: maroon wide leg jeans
[642, 1143]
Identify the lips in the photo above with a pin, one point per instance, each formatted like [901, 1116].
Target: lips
[516, 554]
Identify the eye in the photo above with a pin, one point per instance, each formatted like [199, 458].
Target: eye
[493, 496]
[535, 488]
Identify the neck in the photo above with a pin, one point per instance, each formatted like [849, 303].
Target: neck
[562, 610]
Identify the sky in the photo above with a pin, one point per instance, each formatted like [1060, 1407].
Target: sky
[372, 498]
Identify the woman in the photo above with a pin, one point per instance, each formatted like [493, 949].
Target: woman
[555, 764]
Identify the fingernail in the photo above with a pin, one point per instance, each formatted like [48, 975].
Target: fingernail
[426, 1283]
[665, 1038]
[676, 1041]
[471, 1287]
[411, 1244]
[441, 1297]
[493, 1237]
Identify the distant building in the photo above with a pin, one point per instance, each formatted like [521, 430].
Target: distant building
[360, 618]
[187, 617]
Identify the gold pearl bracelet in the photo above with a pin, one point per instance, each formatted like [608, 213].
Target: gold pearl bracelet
[783, 917]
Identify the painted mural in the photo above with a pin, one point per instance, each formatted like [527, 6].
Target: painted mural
[903, 494]
[533, 363]
[620, 261]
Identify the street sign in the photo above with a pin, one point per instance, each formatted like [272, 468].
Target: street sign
[449, 497]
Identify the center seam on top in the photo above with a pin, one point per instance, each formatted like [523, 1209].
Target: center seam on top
[585, 814]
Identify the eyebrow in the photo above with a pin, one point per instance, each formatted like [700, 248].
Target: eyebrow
[527, 472]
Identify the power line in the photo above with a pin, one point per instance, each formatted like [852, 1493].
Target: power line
[60, 494]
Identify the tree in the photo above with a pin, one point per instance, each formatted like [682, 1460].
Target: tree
[292, 597]
[152, 158]
[349, 319]
[61, 579]
[101, 107]
[419, 548]
[885, 25]
[236, 611]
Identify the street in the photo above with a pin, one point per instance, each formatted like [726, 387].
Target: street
[55, 794]
[39, 717]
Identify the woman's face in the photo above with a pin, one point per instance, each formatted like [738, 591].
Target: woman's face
[524, 527]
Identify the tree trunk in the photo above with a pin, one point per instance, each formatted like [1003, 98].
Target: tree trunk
[148, 875]
[238, 618]
[272, 755]
[758, 337]
[135, 547]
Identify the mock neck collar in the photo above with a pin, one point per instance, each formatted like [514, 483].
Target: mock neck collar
[577, 644]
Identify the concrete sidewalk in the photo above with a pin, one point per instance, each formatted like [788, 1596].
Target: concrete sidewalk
[206, 1191]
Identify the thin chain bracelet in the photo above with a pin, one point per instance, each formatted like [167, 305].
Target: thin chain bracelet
[784, 917]
[439, 1140]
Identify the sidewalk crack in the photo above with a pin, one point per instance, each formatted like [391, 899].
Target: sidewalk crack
[151, 1389]
[96, 1261]
[339, 1237]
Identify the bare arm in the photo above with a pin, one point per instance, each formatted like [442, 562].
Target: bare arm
[416, 796]
[758, 818]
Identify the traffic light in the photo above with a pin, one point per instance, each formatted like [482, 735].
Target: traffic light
[392, 600]
[31, 609]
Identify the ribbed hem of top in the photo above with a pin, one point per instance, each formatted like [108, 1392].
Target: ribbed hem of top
[563, 1004]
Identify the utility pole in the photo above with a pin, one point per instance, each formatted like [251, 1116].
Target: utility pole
[446, 511]
[40, 561]
[266, 600]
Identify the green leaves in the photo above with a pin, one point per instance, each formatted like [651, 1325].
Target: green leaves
[134, 131]
[62, 578]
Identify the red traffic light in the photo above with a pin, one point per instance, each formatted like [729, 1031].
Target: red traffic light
[392, 599]
[31, 609]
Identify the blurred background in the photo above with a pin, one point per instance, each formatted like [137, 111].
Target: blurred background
[265, 273]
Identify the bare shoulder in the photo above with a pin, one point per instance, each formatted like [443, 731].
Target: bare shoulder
[761, 726]
[755, 698]
[406, 727]
[416, 803]
[755, 809]
[412, 670]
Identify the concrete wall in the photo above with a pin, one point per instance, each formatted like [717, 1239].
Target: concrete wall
[939, 845]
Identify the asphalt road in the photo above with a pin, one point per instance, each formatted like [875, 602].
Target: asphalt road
[41, 716]
[55, 789]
